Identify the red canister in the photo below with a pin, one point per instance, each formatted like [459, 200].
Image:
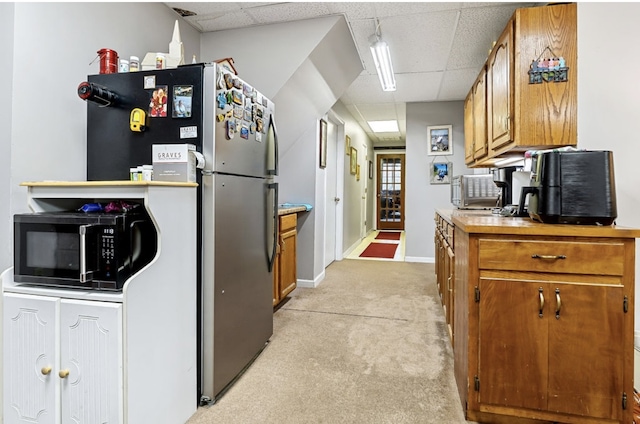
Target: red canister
[108, 61]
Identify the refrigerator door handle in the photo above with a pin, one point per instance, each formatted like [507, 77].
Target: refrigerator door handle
[273, 237]
[272, 147]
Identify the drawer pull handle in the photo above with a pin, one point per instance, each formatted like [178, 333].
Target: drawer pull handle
[45, 370]
[558, 303]
[63, 373]
[535, 256]
[541, 295]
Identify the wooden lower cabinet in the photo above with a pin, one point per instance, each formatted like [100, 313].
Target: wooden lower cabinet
[445, 269]
[543, 321]
[285, 272]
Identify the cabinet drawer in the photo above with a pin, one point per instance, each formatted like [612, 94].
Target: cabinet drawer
[605, 258]
[288, 222]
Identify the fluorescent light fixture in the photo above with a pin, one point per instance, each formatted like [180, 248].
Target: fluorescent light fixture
[383, 126]
[382, 60]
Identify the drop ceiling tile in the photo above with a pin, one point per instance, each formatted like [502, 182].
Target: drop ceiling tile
[285, 12]
[228, 21]
[417, 87]
[387, 9]
[205, 8]
[419, 43]
[456, 84]
[354, 11]
[477, 29]
[366, 89]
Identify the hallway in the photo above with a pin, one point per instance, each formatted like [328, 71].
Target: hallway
[369, 345]
[371, 238]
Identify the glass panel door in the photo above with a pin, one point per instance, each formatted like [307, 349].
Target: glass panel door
[390, 189]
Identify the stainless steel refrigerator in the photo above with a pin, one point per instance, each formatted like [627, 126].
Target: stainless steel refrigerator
[232, 126]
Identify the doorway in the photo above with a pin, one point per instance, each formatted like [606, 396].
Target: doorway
[334, 184]
[390, 191]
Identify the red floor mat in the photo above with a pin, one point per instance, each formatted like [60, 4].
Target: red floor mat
[380, 250]
[387, 235]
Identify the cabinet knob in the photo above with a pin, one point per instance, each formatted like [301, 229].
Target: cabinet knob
[63, 373]
[45, 370]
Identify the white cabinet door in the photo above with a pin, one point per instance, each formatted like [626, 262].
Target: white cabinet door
[30, 359]
[62, 361]
[91, 362]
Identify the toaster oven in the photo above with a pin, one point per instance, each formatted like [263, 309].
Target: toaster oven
[474, 191]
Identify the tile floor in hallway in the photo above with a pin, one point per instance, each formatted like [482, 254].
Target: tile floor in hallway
[399, 256]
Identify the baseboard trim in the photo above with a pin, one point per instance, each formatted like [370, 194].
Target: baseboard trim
[421, 259]
[311, 284]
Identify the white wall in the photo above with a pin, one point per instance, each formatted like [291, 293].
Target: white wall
[421, 197]
[609, 101]
[6, 117]
[42, 120]
[352, 197]
[53, 46]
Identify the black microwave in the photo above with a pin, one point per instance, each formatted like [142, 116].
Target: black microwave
[98, 251]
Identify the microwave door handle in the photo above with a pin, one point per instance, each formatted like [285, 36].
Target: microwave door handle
[134, 248]
[85, 276]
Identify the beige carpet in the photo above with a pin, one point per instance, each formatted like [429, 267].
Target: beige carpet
[369, 345]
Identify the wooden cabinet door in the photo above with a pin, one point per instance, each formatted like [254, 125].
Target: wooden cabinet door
[30, 359]
[451, 278]
[480, 116]
[499, 91]
[586, 350]
[288, 278]
[276, 276]
[91, 357]
[513, 344]
[554, 347]
[468, 128]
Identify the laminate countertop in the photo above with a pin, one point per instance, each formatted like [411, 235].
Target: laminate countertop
[289, 209]
[486, 222]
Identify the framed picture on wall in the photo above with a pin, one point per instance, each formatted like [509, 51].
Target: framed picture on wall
[441, 172]
[323, 143]
[370, 170]
[440, 140]
[347, 145]
[353, 168]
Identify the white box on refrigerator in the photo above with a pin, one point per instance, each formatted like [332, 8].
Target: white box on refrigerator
[174, 162]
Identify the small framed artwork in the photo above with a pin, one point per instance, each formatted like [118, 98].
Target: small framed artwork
[353, 163]
[440, 140]
[357, 172]
[441, 172]
[347, 145]
[323, 143]
[370, 170]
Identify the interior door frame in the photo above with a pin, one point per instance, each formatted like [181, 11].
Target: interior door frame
[374, 196]
[339, 178]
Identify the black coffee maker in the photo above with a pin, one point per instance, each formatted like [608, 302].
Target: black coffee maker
[503, 178]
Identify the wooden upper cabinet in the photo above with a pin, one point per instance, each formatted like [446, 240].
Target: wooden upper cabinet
[468, 129]
[523, 113]
[499, 90]
[480, 116]
[546, 113]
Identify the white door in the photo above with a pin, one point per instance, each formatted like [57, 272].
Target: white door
[30, 359]
[363, 187]
[332, 194]
[91, 362]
